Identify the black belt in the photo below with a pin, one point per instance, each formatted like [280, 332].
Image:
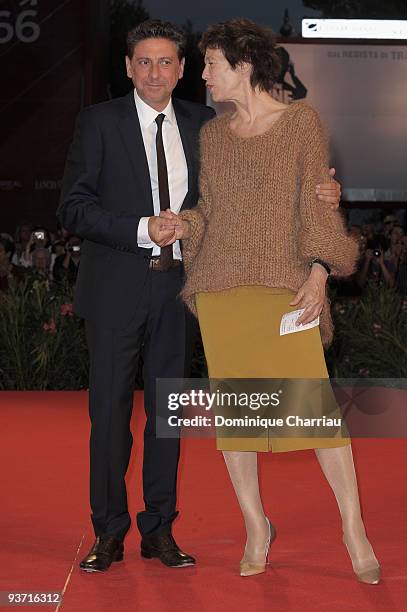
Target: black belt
[155, 263]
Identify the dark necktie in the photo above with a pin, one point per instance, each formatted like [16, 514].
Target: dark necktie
[163, 189]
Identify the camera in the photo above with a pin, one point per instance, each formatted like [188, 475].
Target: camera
[39, 235]
[376, 245]
[74, 249]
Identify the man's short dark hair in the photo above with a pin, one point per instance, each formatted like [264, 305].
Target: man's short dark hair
[155, 28]
[241, 41]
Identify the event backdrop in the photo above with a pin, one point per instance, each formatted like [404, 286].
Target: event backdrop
[51, 53]
[361, 92]
[53, 61]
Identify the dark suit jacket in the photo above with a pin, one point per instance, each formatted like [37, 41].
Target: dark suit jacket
[106, 189]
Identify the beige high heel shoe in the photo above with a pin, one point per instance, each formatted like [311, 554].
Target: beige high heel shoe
[371, 574]
[251, 569]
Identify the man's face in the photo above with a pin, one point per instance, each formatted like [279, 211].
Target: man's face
[75, 241]
[155, 69]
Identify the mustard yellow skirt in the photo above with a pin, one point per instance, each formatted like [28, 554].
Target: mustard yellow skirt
[240, 330]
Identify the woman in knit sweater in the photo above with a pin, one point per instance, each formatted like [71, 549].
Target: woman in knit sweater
[257, 246]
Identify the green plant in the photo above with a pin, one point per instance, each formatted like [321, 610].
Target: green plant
[42, 343]
[370, 338]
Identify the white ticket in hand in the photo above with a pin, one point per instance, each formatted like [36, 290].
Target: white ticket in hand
[288, 323]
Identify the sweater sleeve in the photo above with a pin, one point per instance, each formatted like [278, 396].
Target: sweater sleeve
[199, 215]
[322, 233]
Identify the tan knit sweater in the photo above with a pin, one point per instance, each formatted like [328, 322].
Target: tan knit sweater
[258, 220]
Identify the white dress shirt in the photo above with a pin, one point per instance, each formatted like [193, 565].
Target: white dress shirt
[176, 166]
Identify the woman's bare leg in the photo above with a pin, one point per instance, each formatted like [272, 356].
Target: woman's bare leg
[338, 467]
[242, 468]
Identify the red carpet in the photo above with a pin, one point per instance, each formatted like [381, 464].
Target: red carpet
[45, 519]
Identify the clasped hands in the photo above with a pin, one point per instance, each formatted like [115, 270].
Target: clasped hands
[167, 228]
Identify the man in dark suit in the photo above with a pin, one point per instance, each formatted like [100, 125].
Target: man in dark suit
[131, 158]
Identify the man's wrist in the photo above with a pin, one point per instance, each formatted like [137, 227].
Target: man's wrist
[143, 235]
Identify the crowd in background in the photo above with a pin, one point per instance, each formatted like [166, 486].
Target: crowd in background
[382, 256]
[35, 251]
[54, 256]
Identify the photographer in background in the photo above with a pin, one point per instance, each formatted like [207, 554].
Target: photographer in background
[62, 233]
[41, 263]
[67, 264]
[389, 222]
[39, 239]
[58, 248]
[374, 267]
[23, 234]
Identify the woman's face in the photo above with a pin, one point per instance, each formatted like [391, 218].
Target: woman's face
[222, 81]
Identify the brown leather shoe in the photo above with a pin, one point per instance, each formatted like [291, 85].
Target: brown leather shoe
[165, 548]
[104, 551]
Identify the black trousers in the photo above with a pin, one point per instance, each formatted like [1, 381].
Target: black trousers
[158, 329]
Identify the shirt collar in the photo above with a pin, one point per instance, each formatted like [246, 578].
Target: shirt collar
[147, 115]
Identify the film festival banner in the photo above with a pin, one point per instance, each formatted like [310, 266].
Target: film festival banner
[360, 92]
[45, 64]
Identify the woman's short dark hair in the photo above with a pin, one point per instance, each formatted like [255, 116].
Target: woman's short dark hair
[242, 40]
[155, 28]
